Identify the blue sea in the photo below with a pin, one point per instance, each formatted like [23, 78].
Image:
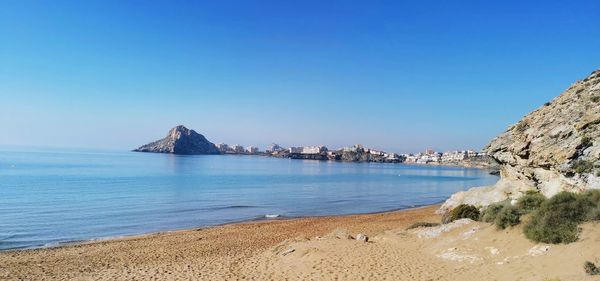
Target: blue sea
[53, 196]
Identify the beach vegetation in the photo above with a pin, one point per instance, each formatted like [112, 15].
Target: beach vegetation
[490, 213]
[586, 141]
[522, 126]
[509, 216]
[462, 211]
[557, 219]
[590, 268]
[554, 220]
[530, 202]
[582, 166]
[422, 224]
[502, 214]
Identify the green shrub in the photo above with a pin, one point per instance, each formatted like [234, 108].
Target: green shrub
[462, 211]
[508, 216]
[593, 195]
[422, 224]
[586, 141]
[551, 230]
[557, 219]
[594, 214]
[596, 98]
[582, 166]
[530, 201]
[491, 212]
[591, 268]
[522, 126]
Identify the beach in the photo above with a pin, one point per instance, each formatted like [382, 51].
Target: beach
[315, 248]
[215, 253]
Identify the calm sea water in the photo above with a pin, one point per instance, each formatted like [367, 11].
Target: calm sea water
[50, 196]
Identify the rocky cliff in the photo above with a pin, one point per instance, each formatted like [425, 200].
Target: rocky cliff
[555, 148]
[181, 140]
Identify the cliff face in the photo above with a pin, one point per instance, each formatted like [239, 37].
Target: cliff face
[181, 140]
[555, 148]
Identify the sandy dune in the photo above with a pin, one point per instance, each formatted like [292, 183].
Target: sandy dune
[316, 249]
[468, 252]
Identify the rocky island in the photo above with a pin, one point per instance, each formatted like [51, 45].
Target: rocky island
[181, 140]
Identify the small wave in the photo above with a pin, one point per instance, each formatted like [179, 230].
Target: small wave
[272, 216]
[51, 245]
[63, 242]
[8, 237]
[232, 207]
[338, 201]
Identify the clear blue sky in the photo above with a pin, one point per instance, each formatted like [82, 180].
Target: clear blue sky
[394, 75]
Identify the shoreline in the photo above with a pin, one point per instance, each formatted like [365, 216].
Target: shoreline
[316, 248]
[61, 244]
[209, 253]
[463, 164]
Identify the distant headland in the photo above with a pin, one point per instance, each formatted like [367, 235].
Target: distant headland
[181, 140]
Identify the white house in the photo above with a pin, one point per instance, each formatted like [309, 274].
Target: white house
[308, 149]
[252, 149]
[238, 148]
[223, 147]
[274, 148]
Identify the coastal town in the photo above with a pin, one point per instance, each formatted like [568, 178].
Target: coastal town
[181, 140]
[358, 153]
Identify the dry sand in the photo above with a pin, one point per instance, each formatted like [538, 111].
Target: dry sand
[311, 249]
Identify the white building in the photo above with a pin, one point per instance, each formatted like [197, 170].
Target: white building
[454, 156]
[223, 147]
[308, 149]
[238, 148]
[457, 156]
[392, 156]
[314, 149]
[354, 148]
[252, 149]
[472, 153]
[409, 158]
[274, 148]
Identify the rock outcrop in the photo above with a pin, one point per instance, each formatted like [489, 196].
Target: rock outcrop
[555, 148]
[181, 140]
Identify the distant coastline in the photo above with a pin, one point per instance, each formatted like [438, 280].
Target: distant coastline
[358, 154]
[181, 140]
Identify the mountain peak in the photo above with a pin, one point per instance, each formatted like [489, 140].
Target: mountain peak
[181, 140]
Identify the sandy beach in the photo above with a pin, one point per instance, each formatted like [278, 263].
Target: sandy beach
[315, 249]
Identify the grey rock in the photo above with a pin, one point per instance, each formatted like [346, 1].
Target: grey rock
[555, 148]
[362, 237]
[288, 251]
[181, 140]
